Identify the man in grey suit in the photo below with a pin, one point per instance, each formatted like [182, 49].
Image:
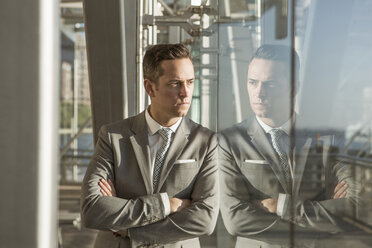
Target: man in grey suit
[277, 191]
[152, 181]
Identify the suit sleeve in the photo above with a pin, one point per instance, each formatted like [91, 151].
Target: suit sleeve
[326, 214]
[242, 218]
[113, 213]
[198, 219]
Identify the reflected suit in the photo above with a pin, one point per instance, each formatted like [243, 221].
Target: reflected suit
[189, 171]
[249, 171]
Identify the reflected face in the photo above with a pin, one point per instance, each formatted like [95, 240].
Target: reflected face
[171, 96]
[269, 89]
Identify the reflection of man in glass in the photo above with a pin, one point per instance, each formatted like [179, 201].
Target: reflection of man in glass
[260, 183]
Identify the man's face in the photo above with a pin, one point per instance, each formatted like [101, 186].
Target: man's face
[269, 89]
[171, 96]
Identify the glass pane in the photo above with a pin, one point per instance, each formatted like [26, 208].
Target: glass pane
[335, 104]
[76, 137]
[193, 25]
[287, 87]
[294, 123]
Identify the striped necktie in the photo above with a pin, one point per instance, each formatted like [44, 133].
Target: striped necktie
[166, 134]
[276, 134]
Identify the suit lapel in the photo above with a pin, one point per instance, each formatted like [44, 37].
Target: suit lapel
[178, 144]
[261, 141]
[141, 149]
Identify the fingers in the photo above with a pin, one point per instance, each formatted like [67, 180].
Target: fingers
[106, 189]
[177, 204]
[103, 192]
[270, 204]
[339, 186]
[112, 187]
[340, 190]
[343, 194]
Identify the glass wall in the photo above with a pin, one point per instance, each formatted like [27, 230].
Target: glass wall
[194, 25]
[314, 191]
[76, 136]
[310, 186]
[319, 93]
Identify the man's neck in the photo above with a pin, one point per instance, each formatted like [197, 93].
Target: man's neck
[272, 123]
[163, 121]
[279, 122]
[168, 122]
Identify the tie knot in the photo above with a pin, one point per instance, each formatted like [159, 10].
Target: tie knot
[165, 133]
[276, 133]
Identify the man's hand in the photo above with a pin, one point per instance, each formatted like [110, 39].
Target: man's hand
[177, 204]
[269, 204]
[340, 190]
[107, 187]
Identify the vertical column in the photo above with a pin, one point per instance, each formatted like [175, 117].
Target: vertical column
[111, 46]
[28, 127]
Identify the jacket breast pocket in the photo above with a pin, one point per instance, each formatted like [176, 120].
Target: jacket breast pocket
[260, 177]
[186, 163]
[252, 170]
[182, 177]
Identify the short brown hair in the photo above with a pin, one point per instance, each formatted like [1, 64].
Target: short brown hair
[155, 54]
[281, 53]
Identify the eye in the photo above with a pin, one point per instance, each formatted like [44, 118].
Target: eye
[252, 82]
[271, 85]
[174, 83]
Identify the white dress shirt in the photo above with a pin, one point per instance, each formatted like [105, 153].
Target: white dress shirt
[155, 142]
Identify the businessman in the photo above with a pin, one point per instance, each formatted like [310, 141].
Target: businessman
[273, 186]
[152, 181]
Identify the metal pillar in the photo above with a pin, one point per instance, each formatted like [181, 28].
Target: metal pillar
[29, 110]
[111, 45]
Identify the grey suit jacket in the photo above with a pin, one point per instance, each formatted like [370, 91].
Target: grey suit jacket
[250, 170]
[189, 171]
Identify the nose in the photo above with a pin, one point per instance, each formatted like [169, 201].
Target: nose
[260, 90]
[185, 89]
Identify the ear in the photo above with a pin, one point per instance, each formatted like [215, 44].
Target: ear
[149, 87]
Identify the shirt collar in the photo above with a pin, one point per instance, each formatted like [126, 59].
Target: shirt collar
[286, 127]
[153, 126]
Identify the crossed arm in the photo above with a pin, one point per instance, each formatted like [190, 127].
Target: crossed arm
[245, 214]
[271, 204]
[176, 204]
[113, 213]
[189, 218]
[144, 215]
